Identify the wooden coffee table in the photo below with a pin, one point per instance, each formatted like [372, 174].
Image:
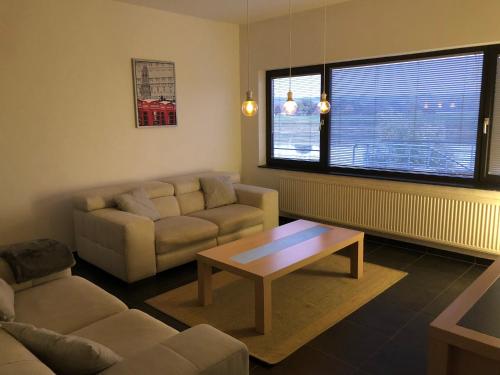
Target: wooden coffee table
[269, 255]
[465, 337]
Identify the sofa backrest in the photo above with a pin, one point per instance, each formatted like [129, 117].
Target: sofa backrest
[188, 189]
[167, 206]
[161, 193]
[188, 193]
[172, 196]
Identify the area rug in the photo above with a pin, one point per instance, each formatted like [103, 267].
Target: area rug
[305, 303]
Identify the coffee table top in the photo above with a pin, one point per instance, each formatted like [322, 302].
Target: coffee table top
[470, 321]
[275, 252]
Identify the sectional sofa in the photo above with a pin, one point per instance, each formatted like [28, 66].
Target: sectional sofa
[133, 247]
[72, 305]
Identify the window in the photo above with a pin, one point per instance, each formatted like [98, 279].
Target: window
[171, 118]
[494, 121]
[296, 137]
[418, 117]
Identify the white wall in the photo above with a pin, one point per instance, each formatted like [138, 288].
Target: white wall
[67, 115]
[357, 29]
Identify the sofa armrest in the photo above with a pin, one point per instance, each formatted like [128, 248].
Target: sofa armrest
[119, 242]
[201, 350]
[263, 198]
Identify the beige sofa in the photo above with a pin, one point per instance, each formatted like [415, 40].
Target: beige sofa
[133, 247]
[72, 305]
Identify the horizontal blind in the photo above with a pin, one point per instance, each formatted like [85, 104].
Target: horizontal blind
[494, 163]
[416, 116]
[296, 137]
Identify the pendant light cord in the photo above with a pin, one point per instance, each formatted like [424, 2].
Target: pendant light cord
[324, 46]
[248, 51]
[290, 44]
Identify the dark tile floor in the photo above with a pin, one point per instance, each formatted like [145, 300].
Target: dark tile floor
[386, 336]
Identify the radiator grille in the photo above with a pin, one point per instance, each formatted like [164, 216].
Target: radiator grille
[455, 220]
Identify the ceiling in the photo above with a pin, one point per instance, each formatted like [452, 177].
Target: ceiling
[232, 10]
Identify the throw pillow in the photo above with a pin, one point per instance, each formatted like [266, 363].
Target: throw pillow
[64, 354]
[138, 202]
[7, 312]
[218, 191]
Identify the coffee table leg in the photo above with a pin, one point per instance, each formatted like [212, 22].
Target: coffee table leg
[263, 307]
[204, 283]
[357, 259]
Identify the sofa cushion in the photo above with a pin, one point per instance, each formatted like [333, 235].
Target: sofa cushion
[191, 202]
[232, 218]
[212, 351]
[158, 360]
[167, 206]
[201, 350]
[16, 359]
[218, 191]
[174, 232]
[7, 312]
[65, 354]
[65, 305]
[137, 202]
[128, 332]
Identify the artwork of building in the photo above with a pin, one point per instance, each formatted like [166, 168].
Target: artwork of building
[155, 80]
[155, 92]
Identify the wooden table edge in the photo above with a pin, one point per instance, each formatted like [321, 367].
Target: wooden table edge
[445, 332]
[282, 271]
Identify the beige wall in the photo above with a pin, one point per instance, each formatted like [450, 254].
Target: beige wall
[67, 118]
[356, 29]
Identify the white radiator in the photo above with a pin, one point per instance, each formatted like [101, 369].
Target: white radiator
[453, 217]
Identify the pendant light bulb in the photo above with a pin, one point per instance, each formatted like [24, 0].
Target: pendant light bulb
[324, 105]
[249, 107]
[290, 106]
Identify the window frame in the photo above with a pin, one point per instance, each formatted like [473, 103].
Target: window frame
[489, 75]
[481, 179]
[288, 163]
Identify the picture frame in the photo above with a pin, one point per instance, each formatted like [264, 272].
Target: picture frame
[155, 98]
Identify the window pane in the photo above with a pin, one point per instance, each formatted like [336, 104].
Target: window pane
[418, 116]
[296, 137]
[494, 165]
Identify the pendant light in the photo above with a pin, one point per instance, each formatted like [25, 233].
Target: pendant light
[324, 104]
[249, 107]
[290, 106]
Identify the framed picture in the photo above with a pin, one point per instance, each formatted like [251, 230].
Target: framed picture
[154, 93]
